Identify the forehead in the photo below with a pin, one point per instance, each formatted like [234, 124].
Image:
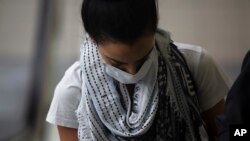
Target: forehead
[128, 53]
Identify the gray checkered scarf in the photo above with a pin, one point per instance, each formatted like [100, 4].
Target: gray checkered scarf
[167, 111]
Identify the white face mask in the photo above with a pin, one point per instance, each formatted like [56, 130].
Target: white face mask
[126, 78]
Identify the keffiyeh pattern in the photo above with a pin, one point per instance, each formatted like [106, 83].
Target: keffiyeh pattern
[167, 110]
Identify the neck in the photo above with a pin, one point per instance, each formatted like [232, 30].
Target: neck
[130, 88]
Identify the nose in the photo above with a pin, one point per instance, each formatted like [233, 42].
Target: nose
[131, 69]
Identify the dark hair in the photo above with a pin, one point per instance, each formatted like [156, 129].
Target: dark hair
[119, 20]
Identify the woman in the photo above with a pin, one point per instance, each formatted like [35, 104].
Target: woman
[133, 83]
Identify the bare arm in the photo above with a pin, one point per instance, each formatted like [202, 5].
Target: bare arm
[67, 134]
[209, 118]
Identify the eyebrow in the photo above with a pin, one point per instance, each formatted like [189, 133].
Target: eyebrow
[143, 58]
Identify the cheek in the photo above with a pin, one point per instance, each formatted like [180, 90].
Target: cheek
[108, 61]
[102, 57]
[105, 60]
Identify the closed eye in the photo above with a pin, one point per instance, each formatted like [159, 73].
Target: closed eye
[119, 64]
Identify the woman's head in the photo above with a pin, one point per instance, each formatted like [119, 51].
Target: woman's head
[123, 21]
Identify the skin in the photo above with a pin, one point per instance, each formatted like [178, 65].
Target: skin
[129, 58]
[67, 134]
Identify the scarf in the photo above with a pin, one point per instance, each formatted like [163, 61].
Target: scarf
[167, 110]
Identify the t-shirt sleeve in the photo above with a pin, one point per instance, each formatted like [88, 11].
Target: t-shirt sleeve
[212, 82]
[66, 99]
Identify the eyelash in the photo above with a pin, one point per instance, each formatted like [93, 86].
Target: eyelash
[118, 66]
[121, 66]
[114, 64]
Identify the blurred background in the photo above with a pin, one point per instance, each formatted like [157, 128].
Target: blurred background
[40, 39]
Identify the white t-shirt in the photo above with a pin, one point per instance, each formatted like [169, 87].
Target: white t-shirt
[211, 81]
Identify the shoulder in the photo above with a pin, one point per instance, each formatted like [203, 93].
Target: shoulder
[71, 76]
[193, 54]
[212, 82]
[198, 58]
[246, 62]
[66, 99]
[70, 84]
